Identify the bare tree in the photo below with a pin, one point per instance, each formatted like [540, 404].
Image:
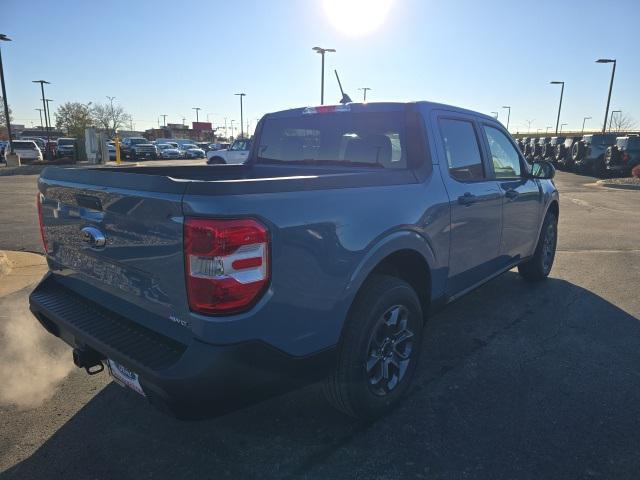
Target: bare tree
[110, 117]
[622, 123]
[74, 117]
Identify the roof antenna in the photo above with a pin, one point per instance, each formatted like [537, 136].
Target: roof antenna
[345, 98]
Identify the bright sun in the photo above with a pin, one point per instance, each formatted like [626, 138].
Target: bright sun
[357, 17]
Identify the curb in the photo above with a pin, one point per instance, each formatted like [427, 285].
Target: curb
[19, 270]
[619, 186]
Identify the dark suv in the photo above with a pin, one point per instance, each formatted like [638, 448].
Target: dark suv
[563, 158]
[138, 148]
[549, 148]
[624, 155]
[588, 153]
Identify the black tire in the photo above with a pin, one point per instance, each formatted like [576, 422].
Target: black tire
[539, 266]
[367, 347]
[216, 161]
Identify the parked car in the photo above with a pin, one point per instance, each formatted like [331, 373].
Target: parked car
[549, 149]
[28, 151]
[564, 159]
[530, 149]
[3, 144]
[167, 151]
[623, 156]
[237, 153]
[588, 153]
[193, 151]
[208, 288]
[538, 147]
[138, 148]
[66, 147]
[111, 147]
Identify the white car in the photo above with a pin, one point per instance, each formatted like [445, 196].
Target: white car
[168, 151]
[237, 153]
[26, 149]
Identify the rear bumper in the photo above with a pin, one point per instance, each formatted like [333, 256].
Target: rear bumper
[185, 380]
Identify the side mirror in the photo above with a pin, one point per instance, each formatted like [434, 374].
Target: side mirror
[543, 170]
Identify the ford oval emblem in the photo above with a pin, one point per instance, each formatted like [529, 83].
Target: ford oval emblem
[94, 237]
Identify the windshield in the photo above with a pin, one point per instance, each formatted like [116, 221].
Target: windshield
[372, 138]
[137, 141]
[66, 141]
[27, 145]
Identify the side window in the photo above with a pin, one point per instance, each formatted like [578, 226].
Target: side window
[506, 161]
[462, 150]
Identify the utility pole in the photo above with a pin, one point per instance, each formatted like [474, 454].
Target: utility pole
[197, 109]
[241, 119]
[322, 51]
[49, 112]
[611, 117]
[41, 124]
[364, 92]
[4, 38]
[559, 106]
[44, 106]
[508, 115]
[613, 74]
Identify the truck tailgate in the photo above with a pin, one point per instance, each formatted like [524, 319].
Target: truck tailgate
[139, 271]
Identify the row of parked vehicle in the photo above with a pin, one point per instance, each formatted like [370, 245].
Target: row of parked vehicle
[596, 154]
[139, 148]
[33, 149]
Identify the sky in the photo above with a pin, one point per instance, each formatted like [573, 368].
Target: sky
[166, 57]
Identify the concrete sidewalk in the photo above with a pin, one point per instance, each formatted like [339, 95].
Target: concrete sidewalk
[18, 270]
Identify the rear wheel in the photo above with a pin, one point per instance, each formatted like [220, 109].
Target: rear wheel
[216, 161]
[539, 266]
[379, 350]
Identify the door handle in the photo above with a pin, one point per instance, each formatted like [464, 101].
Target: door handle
[512, 194]
[467, 199]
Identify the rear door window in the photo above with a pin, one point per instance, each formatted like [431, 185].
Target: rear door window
[461, 149]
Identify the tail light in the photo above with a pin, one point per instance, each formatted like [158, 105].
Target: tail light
[626, 157]
[39, 200]
[226, 263]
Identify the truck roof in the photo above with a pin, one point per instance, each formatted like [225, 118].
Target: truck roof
[359, 107]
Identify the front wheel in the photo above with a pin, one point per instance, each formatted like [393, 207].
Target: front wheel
[378, 353]
[539, 266]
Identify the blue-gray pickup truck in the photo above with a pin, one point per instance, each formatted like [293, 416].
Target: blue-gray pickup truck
[206, 288]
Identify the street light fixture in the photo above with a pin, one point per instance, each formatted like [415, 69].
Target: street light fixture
[495, 115]
[241, 118]
[584, 120]
[44, 106]
[508, 115]
[613, 112]
[322, 51]
[613, 74]
[560, 105]
[4, 38]
[364, 91]
[197, 109]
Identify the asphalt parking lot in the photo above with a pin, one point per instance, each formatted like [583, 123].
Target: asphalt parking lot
[516, 381]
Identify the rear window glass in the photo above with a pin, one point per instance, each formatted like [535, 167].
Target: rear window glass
[24, 144]
[66, 141]
[372, 138]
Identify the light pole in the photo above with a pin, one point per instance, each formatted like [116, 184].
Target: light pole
[611, 117]
[111, 99]
[241, 118]
[210, 113]
[562, 125]
[613, 74]
[232, 127]
[49, 112]
[4, 38]
[41, 125]
[44, 106]
[364, 91]
[583, 121]
[508, 115]
[560, 105]
[164, 119]
[547, 130]
[197, 109]
[495, 115]
[322, 51]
